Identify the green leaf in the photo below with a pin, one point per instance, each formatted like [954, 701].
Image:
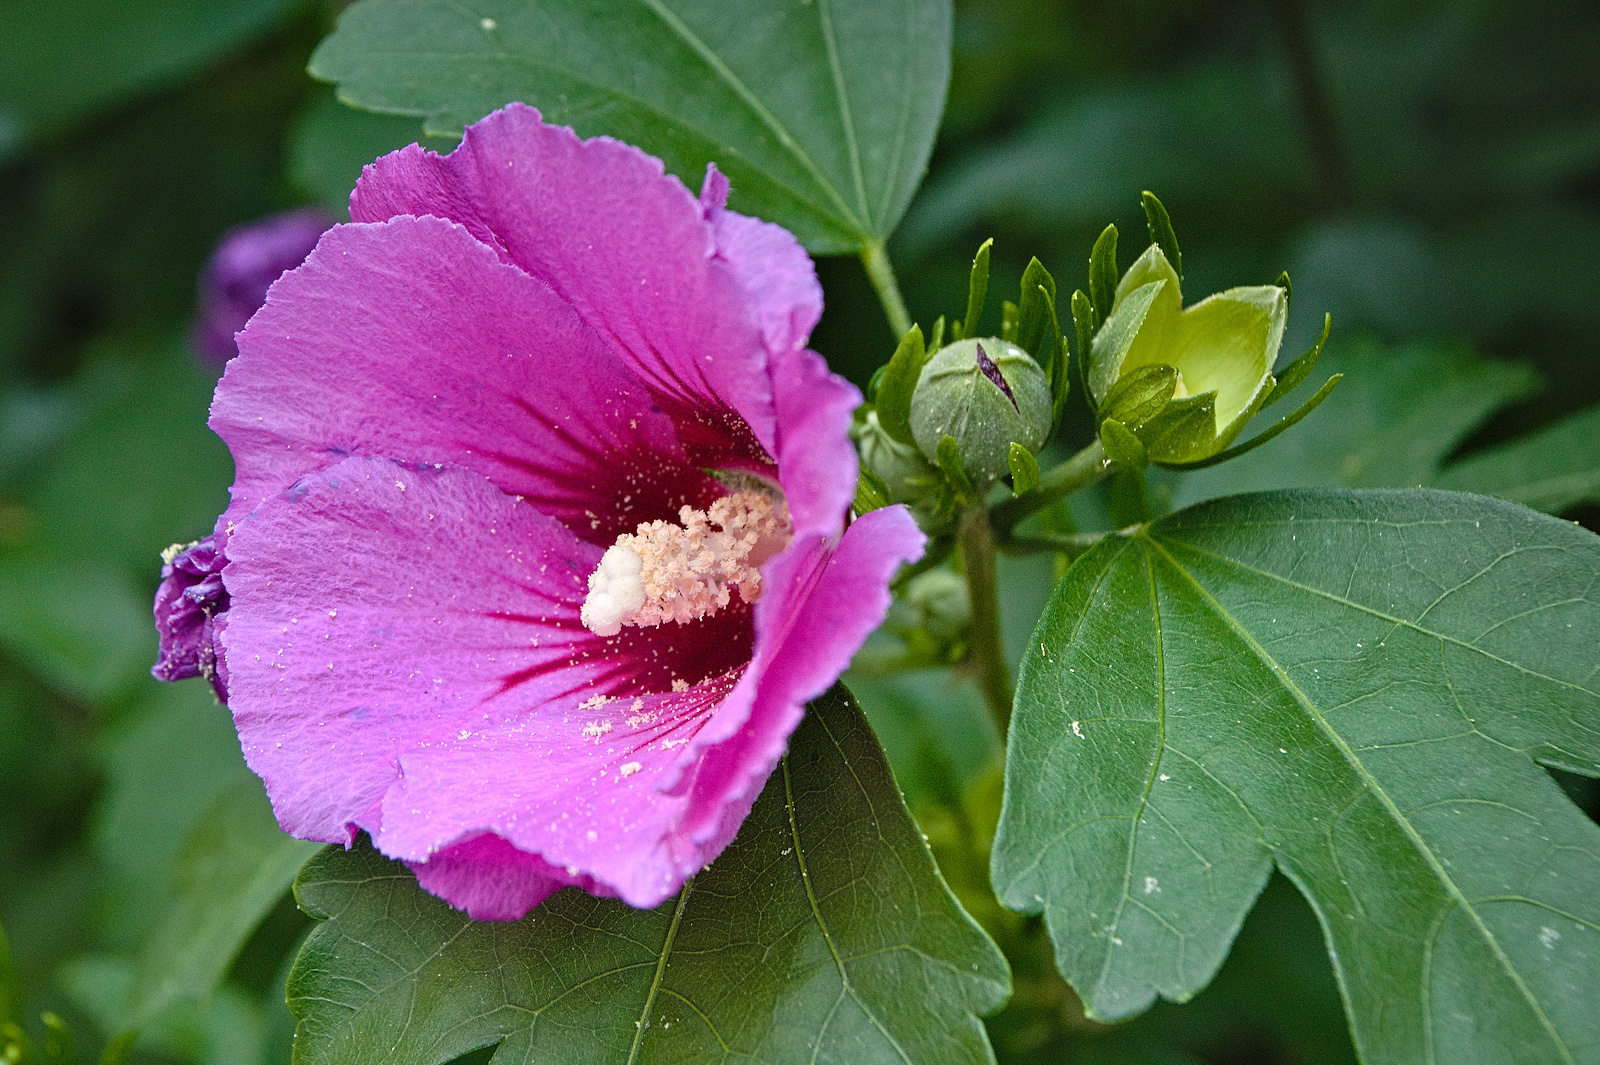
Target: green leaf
[977, 289]
[1397, 414]
[171, 758]
[330, 144]
[823, 934]
[1161, 232]
[1103, 274]
[1550, 470]
[1024, 468]
[899, 380]
[234, 867]
[62, 59]
[1358, 687]
[821, 114]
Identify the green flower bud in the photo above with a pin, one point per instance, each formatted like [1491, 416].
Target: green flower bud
[939, 603]
[987, 394]
[1221, 351]
[903, 469]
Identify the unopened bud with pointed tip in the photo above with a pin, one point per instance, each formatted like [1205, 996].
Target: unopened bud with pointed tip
[986, 393]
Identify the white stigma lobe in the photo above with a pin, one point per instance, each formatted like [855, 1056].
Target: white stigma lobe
[666, 572]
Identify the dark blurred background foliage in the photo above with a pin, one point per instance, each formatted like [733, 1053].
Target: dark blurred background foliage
[1428, 171]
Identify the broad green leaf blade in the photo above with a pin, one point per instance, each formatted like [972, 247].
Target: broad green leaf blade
[331, 143]
[822, 114]
[1358, 687]
[234, 867]
[61, 59]
[823, 934]
[1551, 470]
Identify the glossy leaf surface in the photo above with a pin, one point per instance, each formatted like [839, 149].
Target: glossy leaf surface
[821, 114]
[1359, 688]
[823, 934]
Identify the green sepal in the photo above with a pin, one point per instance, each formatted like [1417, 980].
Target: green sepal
[936, 338]
[1299, 369]
[899, 381]
[1056, 369]
[977, 289]
[1009, 316]
[1161, 232]
[948, 457]
[1122, 447]
[876, 382]
[1103, 274]
[871, 492]
[1024, 469]
[1138, 396]
[1250, 445]
[1033, 318]
[1288, 288]
[1083, 327]
[1186, 426]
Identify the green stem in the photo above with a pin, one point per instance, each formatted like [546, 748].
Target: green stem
[988, 659]
[1071, 545]
[1078, 472]
[881, 272]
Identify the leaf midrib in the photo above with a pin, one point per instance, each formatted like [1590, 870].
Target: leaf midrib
[1374, 612]
[1371, 782]
[767, 118]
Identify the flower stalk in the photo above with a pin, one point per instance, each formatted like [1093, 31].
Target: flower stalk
[988, 659]
[1077, 473]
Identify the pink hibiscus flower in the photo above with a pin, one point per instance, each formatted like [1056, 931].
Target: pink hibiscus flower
[538, 543]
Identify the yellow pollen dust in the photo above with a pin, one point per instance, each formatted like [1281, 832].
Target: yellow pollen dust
[684, 572]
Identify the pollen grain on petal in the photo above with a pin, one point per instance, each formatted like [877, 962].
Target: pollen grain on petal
[684, 572]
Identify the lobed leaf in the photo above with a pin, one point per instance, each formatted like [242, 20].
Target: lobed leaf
[1356, 687]
[821, 114]
[1551, 470]
[234, 867]
[823, 934]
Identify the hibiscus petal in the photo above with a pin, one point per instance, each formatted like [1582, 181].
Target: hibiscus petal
[412, 340]
[580, 789]
[827, 598]
[626, 244]
[489, 878]
[776, 274]
[378, 607]
[817, 463]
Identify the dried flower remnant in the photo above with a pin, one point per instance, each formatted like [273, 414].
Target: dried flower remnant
[517, 363]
